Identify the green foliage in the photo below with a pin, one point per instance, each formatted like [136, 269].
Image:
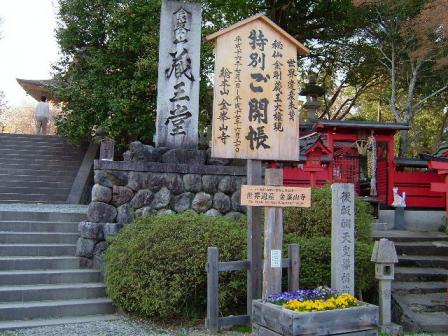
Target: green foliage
[315, 254]
[156, 266]
[316, 221]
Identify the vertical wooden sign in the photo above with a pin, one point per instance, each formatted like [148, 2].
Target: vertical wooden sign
[255, 113]
[178, 77]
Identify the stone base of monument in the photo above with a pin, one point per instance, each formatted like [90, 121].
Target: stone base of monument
[399, 223]
[392, 329]
[273, 320]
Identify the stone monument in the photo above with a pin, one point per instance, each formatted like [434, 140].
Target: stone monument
[343, 237]
[178, 77]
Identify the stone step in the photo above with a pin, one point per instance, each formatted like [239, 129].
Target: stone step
[36, 263]
[420, 274]
[42, 165]
[59, 308]
[52, 292]
[31, 202]
[41, 146]
[39, 154]
[423, 313]
[45, 171]
[419, 287]
[4, 178]
[48, 216]
[35, 277]
[40, 197]
[423, 261]
[409, 236]
[35, 189]
[436, 248]
[38, 226]
[45, 250]
[36, 183]
[17, 139]
[38, 238]
[21, 324]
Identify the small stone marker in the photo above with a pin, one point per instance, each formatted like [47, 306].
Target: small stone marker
[255, 113]
[178, 77]
[343, 237]
[275, 196]
[107, 150]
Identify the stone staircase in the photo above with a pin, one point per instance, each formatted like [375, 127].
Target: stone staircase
[420, 288]
[37, 168]
[41, 281]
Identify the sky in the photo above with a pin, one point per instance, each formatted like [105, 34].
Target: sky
[27, 45]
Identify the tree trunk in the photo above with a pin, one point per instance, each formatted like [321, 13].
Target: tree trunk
[404, 144]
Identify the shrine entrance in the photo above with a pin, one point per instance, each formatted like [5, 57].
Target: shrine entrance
[346, 166]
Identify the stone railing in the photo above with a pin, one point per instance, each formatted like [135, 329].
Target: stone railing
[156, 180]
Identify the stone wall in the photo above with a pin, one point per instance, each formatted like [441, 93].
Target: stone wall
[156, 180]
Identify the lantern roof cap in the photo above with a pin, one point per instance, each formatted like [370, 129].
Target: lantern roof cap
[384, 252]
[299, 46]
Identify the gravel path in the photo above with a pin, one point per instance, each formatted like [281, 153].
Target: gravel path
[122, 327]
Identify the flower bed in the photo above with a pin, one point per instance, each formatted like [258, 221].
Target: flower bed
[321, 311]
[319, 299]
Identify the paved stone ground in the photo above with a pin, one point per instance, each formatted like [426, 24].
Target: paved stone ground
[122, 327]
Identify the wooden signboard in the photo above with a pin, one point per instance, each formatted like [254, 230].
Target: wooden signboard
[255, 114]
[275, 196]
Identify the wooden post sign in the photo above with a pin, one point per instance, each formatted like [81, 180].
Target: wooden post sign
[255, 113]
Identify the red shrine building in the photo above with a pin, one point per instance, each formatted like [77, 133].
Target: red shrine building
[362, 153]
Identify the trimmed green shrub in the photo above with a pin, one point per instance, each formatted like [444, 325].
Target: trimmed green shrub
[316, 221]
[155, 267]
[315, 254]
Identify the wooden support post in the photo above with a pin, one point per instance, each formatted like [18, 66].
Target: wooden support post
[254, 247]
[212, 322]
[273, 237]
[294, 267]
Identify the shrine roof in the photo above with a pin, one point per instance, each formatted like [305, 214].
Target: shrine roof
[300, 47]
[36, 87]
[355, 124]
[310, 140]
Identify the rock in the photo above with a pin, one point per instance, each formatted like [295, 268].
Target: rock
[99, 212]
[233, 215]
[215, 161]
[121, 195]
[202, 202]
[84, 247]
[127, 156]
[100, 248]
[236, 202]
[213, 213]
[141, 152]
[124, 214]
[221, 202]
[145, 211]
[108, 178]
[210, 183]
[174, 183]
[229, 184]
[165, 212]
[155, 181]
[184, 156]
[142, 198]
[101, 193]
[111, 229]
[182, 202]
[137, 181]
[91, 230]
[161, 198]
[192, 182]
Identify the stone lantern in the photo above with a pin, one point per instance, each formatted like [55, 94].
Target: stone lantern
[385, 257]
[312, 91]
